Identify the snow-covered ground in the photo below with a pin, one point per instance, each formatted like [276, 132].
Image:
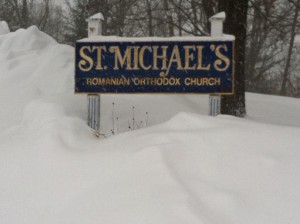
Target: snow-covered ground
[184, 167]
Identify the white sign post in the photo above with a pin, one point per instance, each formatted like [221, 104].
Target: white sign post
[93, 120]
[216, 31]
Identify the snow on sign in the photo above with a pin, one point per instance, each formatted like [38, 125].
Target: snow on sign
[154, 65]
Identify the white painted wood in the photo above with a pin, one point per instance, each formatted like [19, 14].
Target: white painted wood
[95, 25]
[94, 100]
[216, 31]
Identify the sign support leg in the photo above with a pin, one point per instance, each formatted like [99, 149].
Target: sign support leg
[93, 120]
[214, 105]
[216, 31]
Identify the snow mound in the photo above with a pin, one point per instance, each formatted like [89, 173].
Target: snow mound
[33, 65]
[29, 39]
[192, 169]
[4, 29]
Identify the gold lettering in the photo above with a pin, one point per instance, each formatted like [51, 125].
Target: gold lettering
[205, 81]
[175, 57]
[107, 81]
[135, 81]
[86, 64]
[222, 58]
[101, 81]
[136, 58]
[194, 81]
[89, 82]
[141, 57]
[202, 81]
[189, 57]
[114, 81]
[200, 59]
[122, 60]
[99, 56]
[163, 57]
[177, 81]
[187, 81]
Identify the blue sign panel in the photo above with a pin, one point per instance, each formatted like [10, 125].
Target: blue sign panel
[154, 67]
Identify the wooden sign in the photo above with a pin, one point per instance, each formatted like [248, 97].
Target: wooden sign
[154, 66]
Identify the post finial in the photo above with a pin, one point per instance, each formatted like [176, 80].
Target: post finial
[217, 24]
[95, 24]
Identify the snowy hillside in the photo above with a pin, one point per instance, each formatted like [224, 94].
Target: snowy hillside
[184, 167]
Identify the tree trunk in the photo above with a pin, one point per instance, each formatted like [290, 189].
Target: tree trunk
[208, 7]
[44, 20]
[25, 16]
[121, 17]
[169, 18]
[180, 19]
[195, 17]
[15, 5]
[290, 51]
[150, 18]
[236, 24]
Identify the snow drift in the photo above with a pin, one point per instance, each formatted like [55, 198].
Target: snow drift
[189, 169]
[4, 29]
[33, 65]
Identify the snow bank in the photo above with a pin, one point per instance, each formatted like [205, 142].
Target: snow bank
[190, 169]
[273, 109]
[25, 40]
[4, 29]
[33, 65]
